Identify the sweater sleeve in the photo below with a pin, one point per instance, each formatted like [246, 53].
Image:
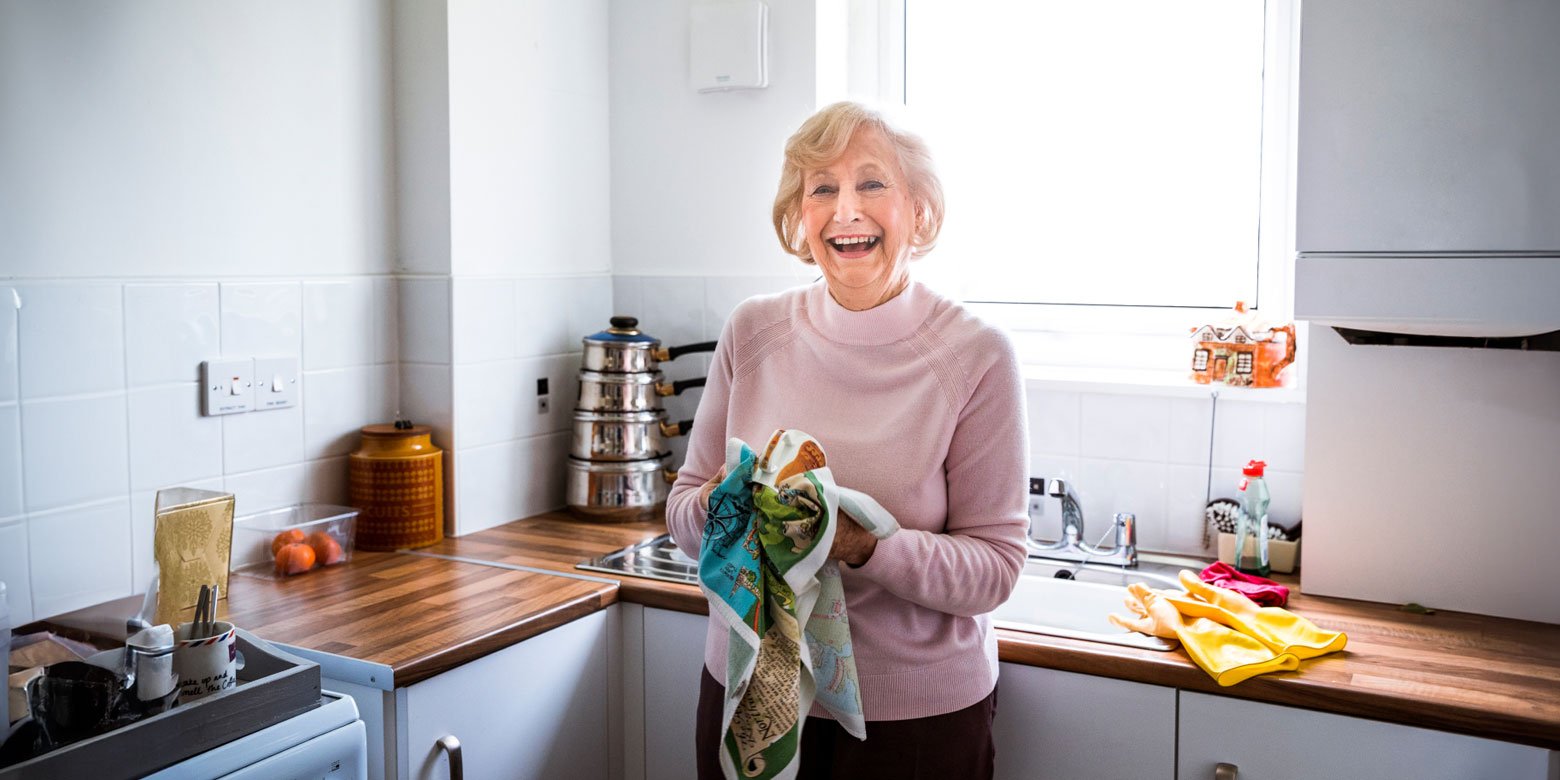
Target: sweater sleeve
[706, 451]
[971, 567]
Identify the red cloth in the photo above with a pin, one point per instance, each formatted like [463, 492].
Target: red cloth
[1265, 592]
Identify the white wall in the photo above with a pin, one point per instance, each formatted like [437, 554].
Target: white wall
[181, 181]
[694, 175]
[190, 139]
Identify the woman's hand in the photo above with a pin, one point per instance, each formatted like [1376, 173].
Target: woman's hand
[852, 543]
[709, 487]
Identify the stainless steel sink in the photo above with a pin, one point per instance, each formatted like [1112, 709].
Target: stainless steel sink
[1056, 598]
[655, 559]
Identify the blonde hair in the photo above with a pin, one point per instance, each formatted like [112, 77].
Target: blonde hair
[821, 140]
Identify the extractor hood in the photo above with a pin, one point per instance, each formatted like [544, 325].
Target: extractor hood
[1488, 299]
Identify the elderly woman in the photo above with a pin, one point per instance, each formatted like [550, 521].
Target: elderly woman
[918, 404]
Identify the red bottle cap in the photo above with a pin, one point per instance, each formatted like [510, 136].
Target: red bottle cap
[1254, 468]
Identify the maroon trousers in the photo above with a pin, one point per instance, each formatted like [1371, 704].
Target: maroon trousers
[955, 745]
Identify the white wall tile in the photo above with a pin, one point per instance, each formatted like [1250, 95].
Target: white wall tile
[723, 293]
[338, 323]
[1054, 422]
[384, 393]
[68, 574]
[1191, 425]
[327, 482]
[143, 514]
[509, 481]
[426, 399]
[262, 319]
[75, 451]
[424, 321]
[484, 319]
[1106, 487]
[1283, 436]
[258, 491]
[1125, 427]
[1284, 487]
[10, 302]
[335, 407]
[1047, 522]
[542, 306]
[1186, 496]
[386, 316]
[497, 402]
[590, 308]
[10, 461]
[169, 330]
[15, 571]
[1237, 433]
[170, 442]
[71, 339]
[673, 309]
[628, 295]
[258, 440]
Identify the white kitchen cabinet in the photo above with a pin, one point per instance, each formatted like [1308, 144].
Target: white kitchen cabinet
[1428, 125]
[537, 709]
[1271, 742]
[1060, 724]
[673, 660]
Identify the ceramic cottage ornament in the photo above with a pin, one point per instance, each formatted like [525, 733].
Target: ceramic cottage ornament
[1242, 353]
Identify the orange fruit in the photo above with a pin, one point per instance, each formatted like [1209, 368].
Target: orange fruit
[326, 549]
[289, 536]
[295, 558]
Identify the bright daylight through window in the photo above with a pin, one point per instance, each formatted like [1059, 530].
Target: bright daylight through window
[1099, 153]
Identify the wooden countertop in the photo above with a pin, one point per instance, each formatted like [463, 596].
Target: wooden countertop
[1452, 671]
[423, 612]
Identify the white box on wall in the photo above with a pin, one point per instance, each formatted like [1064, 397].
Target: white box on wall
[728, 46]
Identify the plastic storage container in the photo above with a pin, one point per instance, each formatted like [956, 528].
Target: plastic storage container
[254, 535]
[1251, 528]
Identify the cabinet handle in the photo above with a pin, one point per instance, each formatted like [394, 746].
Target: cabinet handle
[1226, 772]
[451, 745]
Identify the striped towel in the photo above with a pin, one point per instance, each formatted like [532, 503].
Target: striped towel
[764, 567]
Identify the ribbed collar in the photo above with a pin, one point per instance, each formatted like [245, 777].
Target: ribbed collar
[885, 323]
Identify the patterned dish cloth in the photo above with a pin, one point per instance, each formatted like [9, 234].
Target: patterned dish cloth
[763, 565]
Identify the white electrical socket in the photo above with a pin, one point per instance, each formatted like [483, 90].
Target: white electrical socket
[276, 383]
[227, 386]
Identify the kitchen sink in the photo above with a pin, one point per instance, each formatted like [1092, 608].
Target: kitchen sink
[1072, 600]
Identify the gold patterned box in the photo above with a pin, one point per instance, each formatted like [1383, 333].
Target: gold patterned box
[192, 540]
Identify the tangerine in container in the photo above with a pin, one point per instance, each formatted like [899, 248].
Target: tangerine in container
[293, 540]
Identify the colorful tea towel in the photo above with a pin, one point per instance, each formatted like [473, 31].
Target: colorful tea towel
[763, 565]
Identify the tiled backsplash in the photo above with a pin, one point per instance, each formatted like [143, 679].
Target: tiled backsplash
[100, 408]
[1157, 454]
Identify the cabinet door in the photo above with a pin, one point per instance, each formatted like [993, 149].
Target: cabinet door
[1269, 742]
[1428, 125]
[533, 711]
[674, 661]
[1076, 726]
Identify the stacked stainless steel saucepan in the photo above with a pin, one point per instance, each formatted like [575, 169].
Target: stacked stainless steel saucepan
[618, 464]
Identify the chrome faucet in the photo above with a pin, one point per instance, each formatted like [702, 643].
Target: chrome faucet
[1072, 547]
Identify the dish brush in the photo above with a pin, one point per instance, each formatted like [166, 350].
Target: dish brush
[1221, 515]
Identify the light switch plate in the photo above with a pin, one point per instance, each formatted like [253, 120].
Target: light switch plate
[276, 383]
[227, 386]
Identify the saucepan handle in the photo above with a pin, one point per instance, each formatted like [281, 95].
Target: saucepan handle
[672, 353]
[679, 428]
[677, 387]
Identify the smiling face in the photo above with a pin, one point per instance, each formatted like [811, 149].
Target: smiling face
[858, 217]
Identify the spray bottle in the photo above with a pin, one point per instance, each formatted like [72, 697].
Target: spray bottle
[1251, 528]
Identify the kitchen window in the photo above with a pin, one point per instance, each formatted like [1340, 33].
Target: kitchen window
[1116, 173]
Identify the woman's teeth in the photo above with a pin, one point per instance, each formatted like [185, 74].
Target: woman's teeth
[854, 243]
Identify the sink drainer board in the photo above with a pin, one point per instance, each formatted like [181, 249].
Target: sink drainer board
[1075, 608]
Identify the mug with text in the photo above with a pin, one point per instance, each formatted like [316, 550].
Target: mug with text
[208, 665]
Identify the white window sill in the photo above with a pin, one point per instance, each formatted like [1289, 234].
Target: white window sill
[1163, 384]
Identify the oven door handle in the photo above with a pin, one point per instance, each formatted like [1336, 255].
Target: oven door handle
[449, 744]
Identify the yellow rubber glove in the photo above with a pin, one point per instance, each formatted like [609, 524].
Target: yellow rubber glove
[1281, 630]
[1227, 656]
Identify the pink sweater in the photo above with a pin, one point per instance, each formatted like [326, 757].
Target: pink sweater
[920, 405]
